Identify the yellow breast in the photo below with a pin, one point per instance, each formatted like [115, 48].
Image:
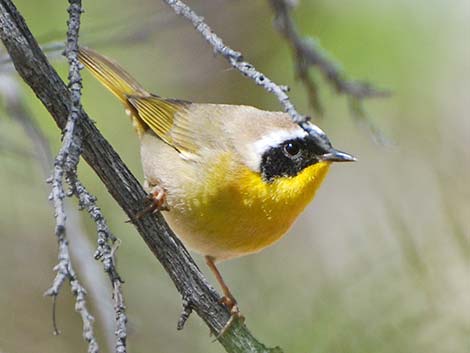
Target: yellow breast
[236, 213]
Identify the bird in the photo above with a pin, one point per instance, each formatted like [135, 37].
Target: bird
[231, 179]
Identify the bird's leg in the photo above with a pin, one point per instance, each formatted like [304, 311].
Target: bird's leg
[228, 300]
[154, 202]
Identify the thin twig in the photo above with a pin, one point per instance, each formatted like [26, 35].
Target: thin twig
[65, 165]
[107, 245]
[364, 121]
[121, 318]
[10, 91]
[307, 53]
[95, 280]
[235, 59]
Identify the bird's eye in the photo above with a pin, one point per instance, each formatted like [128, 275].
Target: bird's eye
[291, 149]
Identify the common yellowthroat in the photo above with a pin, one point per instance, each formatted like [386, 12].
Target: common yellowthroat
[233, 178]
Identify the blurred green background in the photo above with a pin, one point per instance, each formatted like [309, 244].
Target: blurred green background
[392, 276]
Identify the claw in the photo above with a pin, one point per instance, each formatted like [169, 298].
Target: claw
[228, 299]
[235, 314]
[154, 202]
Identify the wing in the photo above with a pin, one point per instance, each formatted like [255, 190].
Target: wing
[168, 119]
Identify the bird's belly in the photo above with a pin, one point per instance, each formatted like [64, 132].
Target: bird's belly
[243, 216]
[230, 234]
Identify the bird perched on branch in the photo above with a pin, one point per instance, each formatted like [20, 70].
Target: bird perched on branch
[232, 178]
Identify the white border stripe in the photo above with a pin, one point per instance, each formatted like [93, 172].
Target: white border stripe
[275, 138]
[270, 140]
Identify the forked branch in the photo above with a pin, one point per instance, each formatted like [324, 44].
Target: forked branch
[307, 54]
[65, 166]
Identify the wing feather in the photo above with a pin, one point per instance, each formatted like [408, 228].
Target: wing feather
[168, 119]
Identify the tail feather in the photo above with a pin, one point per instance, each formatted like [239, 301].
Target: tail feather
[147, 111]
[111, 75]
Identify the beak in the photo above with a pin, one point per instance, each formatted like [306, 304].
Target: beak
[337, 156]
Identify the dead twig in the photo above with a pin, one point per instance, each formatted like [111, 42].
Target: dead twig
[235, 59]
[307, 53]
[107, 246]
[65, 166]
[10, 91]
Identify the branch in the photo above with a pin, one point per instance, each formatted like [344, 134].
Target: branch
[10, 90]
[107, 245]
[107, 242]
[235, 59]
[308, 54]
[33, 67]
[65, 164]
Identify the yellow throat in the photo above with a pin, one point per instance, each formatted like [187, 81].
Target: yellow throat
[242, 214]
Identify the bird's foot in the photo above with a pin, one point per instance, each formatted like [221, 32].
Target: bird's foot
[235, 314]
[154, 202]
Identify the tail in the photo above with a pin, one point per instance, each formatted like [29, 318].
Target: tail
[147, 111]
[111, 75]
